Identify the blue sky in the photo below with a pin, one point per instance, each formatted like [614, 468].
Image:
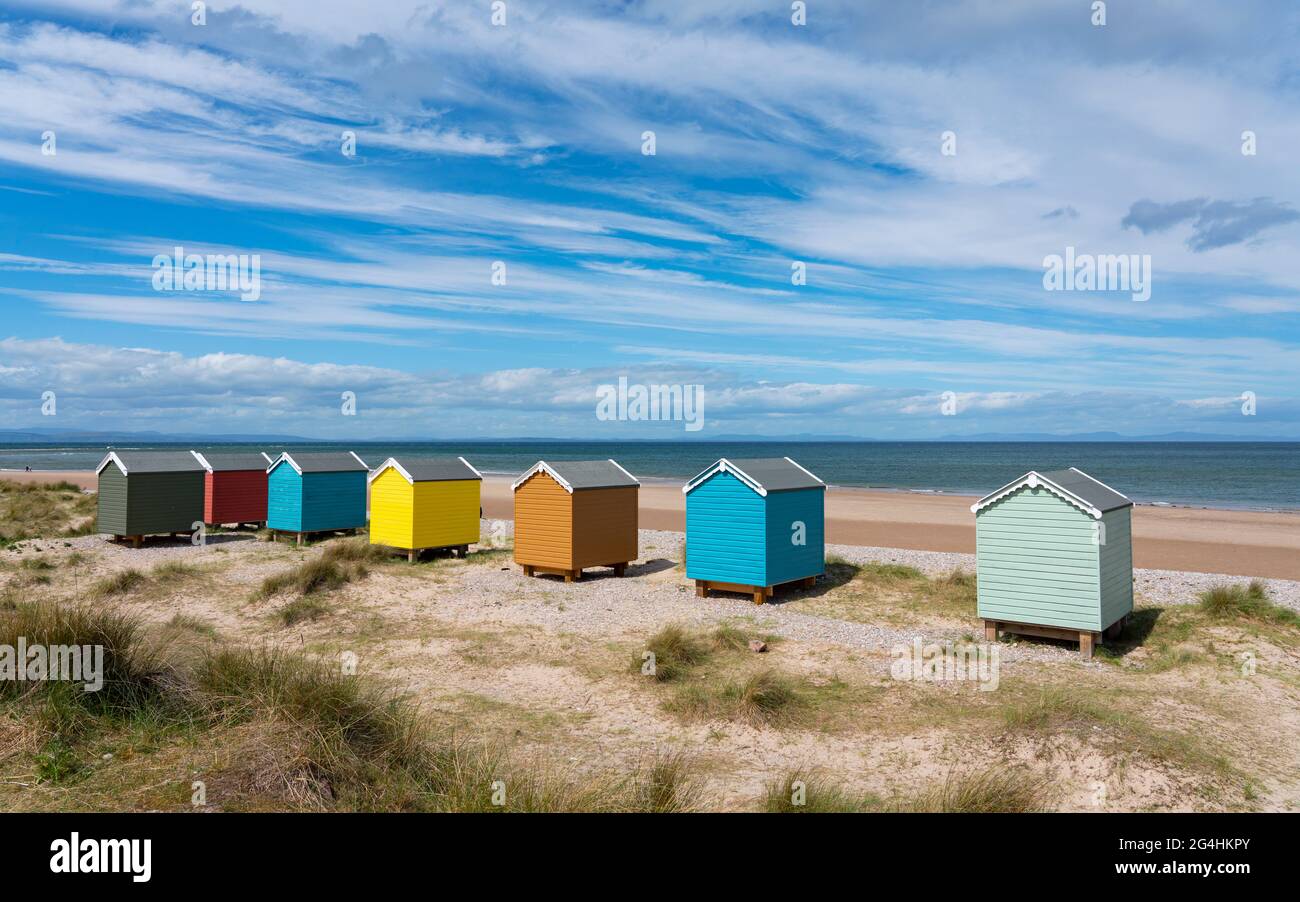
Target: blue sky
[775, 143]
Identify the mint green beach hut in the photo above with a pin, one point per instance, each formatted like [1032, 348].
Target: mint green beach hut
[1055, 558]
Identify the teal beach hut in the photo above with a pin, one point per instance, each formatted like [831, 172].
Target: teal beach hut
[753, 525]
[1055, 558]
[318, 492]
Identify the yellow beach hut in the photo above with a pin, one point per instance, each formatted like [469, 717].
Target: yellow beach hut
[427, 503]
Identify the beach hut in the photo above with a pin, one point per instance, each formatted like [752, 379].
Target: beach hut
[234, 487]
[574, 514]
[148, 493]
[421, 504]
[754, 525]
[1055, 558]
[316, 492]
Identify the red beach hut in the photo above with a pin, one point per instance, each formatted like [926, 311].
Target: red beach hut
[234, 488]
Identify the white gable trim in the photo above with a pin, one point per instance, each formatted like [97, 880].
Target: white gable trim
[391, 462]
[1100, 483]
[1033, 479]
[541, 467]
[805, 469]
[624, 472]
[111, 456]
[359, 460]
[284, 458]
[203, 462]
[725, 466]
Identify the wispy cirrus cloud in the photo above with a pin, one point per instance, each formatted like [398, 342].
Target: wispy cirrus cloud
[521, 144]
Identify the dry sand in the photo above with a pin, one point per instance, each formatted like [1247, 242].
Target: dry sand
[1199, 540]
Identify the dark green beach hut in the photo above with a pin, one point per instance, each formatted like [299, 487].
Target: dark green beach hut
[149, 492]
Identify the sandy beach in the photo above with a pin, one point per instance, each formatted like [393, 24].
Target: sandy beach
[1200, 540]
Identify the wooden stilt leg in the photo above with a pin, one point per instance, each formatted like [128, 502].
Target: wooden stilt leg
[759, 596]
[1085, 646]
[299, 540]
[990, 631]
[568, 576]
[620, 569]
[411, 556]
[137, 541]
[701, 589]
[528, 571]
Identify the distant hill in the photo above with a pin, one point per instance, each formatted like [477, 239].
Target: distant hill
[151, 437]
[1110, 437]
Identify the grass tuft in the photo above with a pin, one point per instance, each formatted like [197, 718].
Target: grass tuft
[355, 551]
[119, 583]
[669, 786]
[675, 652]
[991, 791]
[807, 791]
[320, 574]
[1249, 602]
[766, 697]
[174, 570]
[306, 608]
[134, 678]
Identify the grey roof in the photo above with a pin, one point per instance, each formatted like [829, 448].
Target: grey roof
[1079, 483]
[225, 461]
[778, 474]
[153, 461]
[326, 461]
[767, 474]
[585, 474]
[1073, 485]
[436, 469]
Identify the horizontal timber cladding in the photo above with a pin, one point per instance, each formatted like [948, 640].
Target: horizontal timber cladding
[446, 512]
[795, 515]
[234, 496]
[112, 501]
[284, 499]
[544, 524]
[1117, 566]
[1038, 562]
[332, 500]
[726, 532]
[392, 514]
[604, 526]
[148, 503]
[429, 514]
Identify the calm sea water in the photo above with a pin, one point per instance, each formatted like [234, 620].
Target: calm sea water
[1263, 475]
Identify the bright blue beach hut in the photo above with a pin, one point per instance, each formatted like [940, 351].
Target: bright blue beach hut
[319, 492]
[753, 525]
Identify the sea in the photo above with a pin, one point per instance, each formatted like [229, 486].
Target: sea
[1245, 475]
